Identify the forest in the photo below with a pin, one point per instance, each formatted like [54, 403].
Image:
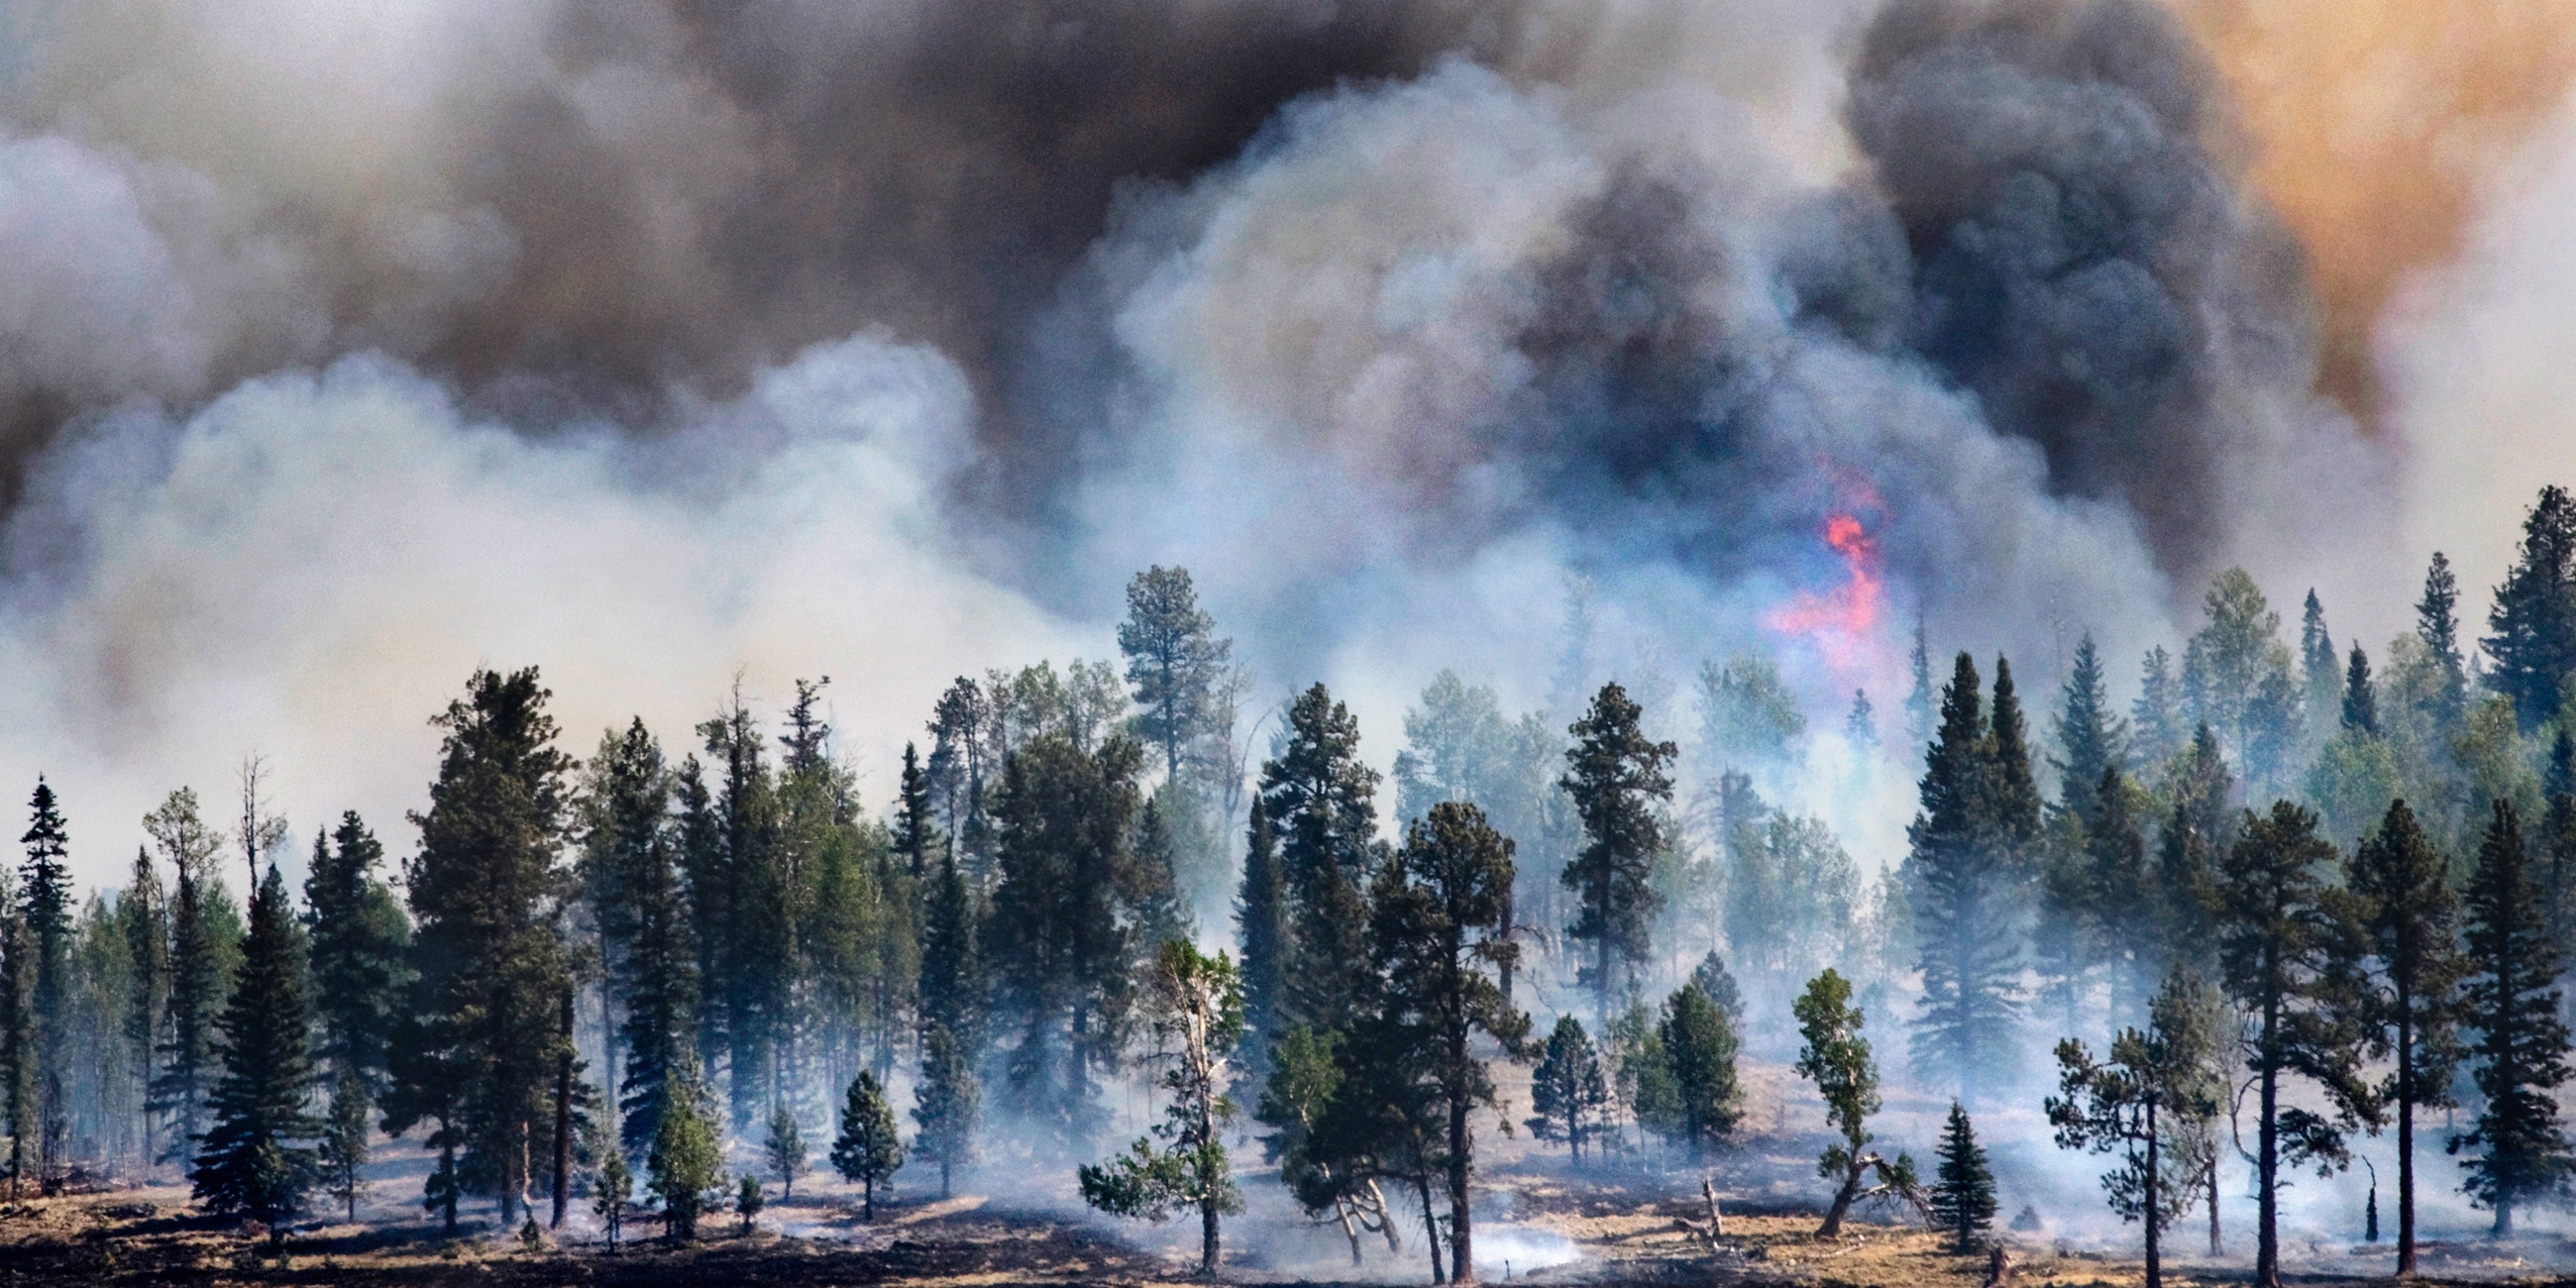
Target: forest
[2291, 897]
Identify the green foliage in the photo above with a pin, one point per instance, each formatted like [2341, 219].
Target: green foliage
[2360, 700]
[1963, 1188]
[1715, 980]
[2237, 649]
[2156, 718]
[1568, 1090]
[256, 1159]
[868, 1151]
[2091, 738]
[1747, 716]
[1320, 799]
[2437, 628]
[2522, 1154]
[1179, 668]
[1261, 927]
[1837, 1059]
[2400, 889]
[199, 976]
[44, 907]
[1700, 1048]
[2353, 778]
[343, 1149]
[2143, 1102]
[611, 1189]
[1615, 777]
[784, 1148]
[1790, 891]
[2534, 615]
[748, 1200]
[1979, 813]
[359, 936]
[1196, 1006]
[944, 1106]
[685, 1169]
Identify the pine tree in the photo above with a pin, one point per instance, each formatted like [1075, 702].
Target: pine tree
[656, 989]
[952, 964]
[2520, 1056]
[1719, 983]
[342, 1152]
[2534, 617]
[944, 1107]
[2156, 1086]
[868, 1152]
[480, 1047]
[685, 1167]
[2157, 716]
[1320, 800]
[2558, 844]
[622, 812]
[18, 1094]
[610, 1191]
[2009, 805]
[2279, 936]
[197, 982]
[1961, 865]
[1261, 926]
[916, 828]
[2319, 671]
[257, 1159]
[1860, 728]
[748, 1201]
[1615, 777]
[784, 1149]
[1197, 1008]
[1837, 1059]
[2091, 736]
[2238, 646]
[2360, 705]
[748, 958]
[1177, 665]
[359, 936]
[1438, 940]
[2410, 916]
[1700, 1048]
[145, 917]
[1920, 700]
[1962, 1197]
[44, 904]
[1568, 1090]
[2437, 625]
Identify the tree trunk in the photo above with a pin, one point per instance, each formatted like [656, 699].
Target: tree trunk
[2155, 1213]
[447, 1170]
[1350, 1231]
[2267, 1235]
[2504, 1217]
[943, 1178]
[1208, 1252]
[1431, 1224]
[1462, 1243]
[2405, 1140]
[2217, 1244]
[868, 1198]
[1843, 1199]
[563, 1118]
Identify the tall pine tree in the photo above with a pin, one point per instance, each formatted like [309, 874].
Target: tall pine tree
[2521, 1152]
[144, 915]
[2410, 919]
[259, 1155]
[2437, 625]
[1261, 926]
[359, 938]
[1321, 800]
[2534, 617]
[197, 982]
[44, 903]
[1961, 873]
[2091, 737]
[1616, 777]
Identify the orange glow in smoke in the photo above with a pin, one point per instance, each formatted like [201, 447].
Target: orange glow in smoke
[1839, 621]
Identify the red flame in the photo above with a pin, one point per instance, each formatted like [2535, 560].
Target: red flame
[1839, 621]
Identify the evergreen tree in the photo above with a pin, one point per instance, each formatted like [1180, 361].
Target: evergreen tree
[656, 989]
[944, 1107]
[748, 1202]
[622, 813]
[2157, 716]
[748, 949]
[1261, 926]
[784, 1149]
[1837, 1059]
[1747, 716]
[1719, 983]
[342, 1152]
[1962, 1197]
[197, 978]
[1061, 953]
[868, 1152]
[2279, 939]
[2437, 625]
[1919, 700]
[1320, 800]
[1197, 1008]
[1177, 665]
[2091, 737]
[2237, 649]
[2558, 844]
[18, 1095]
[2144, 1101]
[2520, 1056]
[610, 1191]
[1568, 1090]
[480, 1046]
[1616, 778]
[1961, 864]
[44, 904]
[685, 1167]
[2360, 705]
[952, 963]
[2319, 670]
[1860, 728]
[1438, 940]
[258, 1159]
[2534, 616]
[2409, 916]
[1699, 1048]
[359, 937]
[145, 916]
[916, 828]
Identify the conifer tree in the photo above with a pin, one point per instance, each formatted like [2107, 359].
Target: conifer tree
[19, 1105]
[916, 828]
[2360, 705]
[480, 1047]
[621, 813]
[1176, 664]
[1568, 1090]
[1261, 926]
[2144, 1101]
[1719, 983]
[656, 989]
[144, 915]
[197, 983]
[1616, 778]
[2534, 616]
[44, 904]
[2156, 718]
[1320, 800]
[1962, 1197]
[2520, 1055]
[2437, 625]
[2279, 939]
[1920, 700]
[1860, 728]
[2409, 916]
[1961, 872]
[2236, 650]
[359, 937]
[1837, 1059]
[342, 1151]
[1197, 1007]
[2319, 670]
[2558, 844]
[258, 1158]
[610, 1191]
[748, 952]
[945, 1107]
[748, 1201]
[868, 1152]
[784, 1149]
[1439, 941]
[2091, 737]
[685, 1167]
[1700, 1048]
[952, 964]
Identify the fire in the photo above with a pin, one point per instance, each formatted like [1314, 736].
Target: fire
[1840, 621]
